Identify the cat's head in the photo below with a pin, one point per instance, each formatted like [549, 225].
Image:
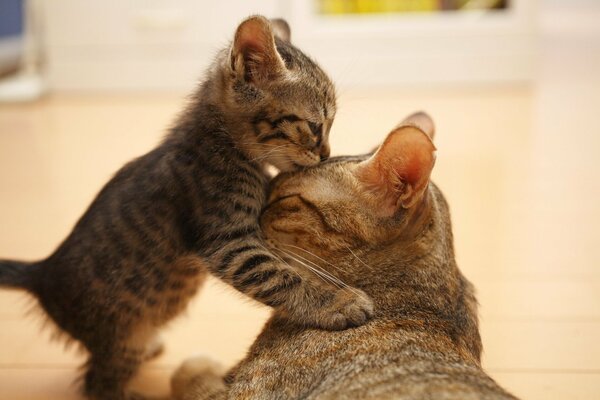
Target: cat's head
[356, 203]
[289, 100]
[375, 222]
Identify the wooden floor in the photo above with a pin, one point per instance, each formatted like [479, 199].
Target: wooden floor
[518, 164]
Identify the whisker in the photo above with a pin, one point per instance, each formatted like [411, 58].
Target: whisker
[359, 259]
[336, 281]
[278, 258]
[261, 144]
[314, 255]
[331, 264]
[324, 277]
[276, 150]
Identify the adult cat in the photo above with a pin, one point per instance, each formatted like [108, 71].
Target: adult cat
[191, 205]
[378, 224]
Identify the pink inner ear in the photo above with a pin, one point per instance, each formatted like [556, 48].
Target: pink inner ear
[255, 43]
[399, 171]
[252, 38]
[415, 156]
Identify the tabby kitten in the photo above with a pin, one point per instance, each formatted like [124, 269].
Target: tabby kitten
[374, 222]
[191, 206]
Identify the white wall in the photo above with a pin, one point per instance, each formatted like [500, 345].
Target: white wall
[165, 44]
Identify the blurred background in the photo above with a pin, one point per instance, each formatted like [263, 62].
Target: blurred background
[514, 87]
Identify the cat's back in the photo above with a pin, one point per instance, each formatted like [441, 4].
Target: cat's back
[380, 360]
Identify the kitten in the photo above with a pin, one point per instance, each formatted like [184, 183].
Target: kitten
[191, 206]
[374, 222]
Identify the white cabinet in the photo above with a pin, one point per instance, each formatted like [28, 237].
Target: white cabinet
[166, 44]
[138, 44]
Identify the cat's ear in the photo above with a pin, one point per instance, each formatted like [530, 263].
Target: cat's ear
[281, 29]
[398, 174]
[421, 120]
[254, 56]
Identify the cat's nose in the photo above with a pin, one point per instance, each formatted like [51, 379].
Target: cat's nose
[324, 154]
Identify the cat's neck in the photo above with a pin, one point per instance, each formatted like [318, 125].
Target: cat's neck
[423, 284]
[419, 265]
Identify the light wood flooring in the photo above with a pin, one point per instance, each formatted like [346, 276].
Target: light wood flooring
[519, 165]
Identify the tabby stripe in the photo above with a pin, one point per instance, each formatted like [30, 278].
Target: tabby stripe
[228, 258]
[157, 227]
[118, 242]
[251, 169]
[258, 278]
[285, 118]
[182, 185]
[252, 263]
[246, 208]
[289, 284]
[231, 235]
[276, 135]
[210, 167]
[274, 302]
[132, 223]
[113, 234]
[250, 180]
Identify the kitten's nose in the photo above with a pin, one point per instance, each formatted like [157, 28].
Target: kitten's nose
[324, 154]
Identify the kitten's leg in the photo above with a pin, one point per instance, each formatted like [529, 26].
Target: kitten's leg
[154, 348]
[199, 379]
[252, 269]
[109, 372]
[112, 365]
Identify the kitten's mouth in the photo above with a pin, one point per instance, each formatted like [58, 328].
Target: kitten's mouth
[290, 166]
[290, 163]
[298, 165]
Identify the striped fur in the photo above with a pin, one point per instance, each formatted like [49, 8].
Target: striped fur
[423, 342]
[190, 207]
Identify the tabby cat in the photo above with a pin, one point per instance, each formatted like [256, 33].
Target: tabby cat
[376, 223]
[191, 206]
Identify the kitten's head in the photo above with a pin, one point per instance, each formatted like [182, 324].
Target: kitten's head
[289, 100]
[360, 203]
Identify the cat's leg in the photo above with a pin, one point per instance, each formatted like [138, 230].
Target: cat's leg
[199, 378]
[251, 268]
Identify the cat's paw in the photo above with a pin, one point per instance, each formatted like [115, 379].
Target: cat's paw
[350, 308]
[195, 375]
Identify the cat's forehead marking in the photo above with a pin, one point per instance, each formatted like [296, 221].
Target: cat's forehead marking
[322, 189]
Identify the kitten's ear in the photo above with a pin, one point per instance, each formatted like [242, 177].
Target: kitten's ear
[398, 173]
[281, 29]
[253, 54]
[421, 120]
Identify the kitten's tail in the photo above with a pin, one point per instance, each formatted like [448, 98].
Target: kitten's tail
[16, 274]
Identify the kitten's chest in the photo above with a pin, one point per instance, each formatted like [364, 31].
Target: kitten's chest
[238, 189]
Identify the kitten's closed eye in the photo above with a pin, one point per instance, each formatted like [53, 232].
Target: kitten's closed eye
[292, 100]
[316, 129]
[293, 142]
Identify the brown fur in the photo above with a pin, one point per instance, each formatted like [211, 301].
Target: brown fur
[189, 207]
[423, 342]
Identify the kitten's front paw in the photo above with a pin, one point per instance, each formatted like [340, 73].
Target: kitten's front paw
[350, 307]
